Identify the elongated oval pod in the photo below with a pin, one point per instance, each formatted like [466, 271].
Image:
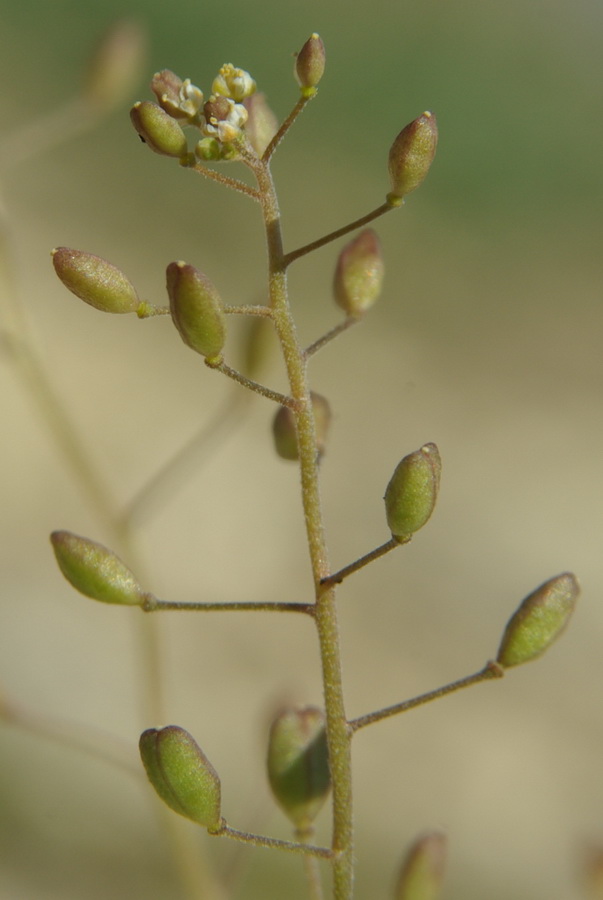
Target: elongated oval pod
[411, 494]
[539, 620]
[262, 123]
[359, 274]
[422, 871]
[182, 775]
[116, 65]
[411, 156]
[95, 571]
[310, 65]
[284, 431]
[196, 310]
[158, 129]
[298, 763]
[95, 281]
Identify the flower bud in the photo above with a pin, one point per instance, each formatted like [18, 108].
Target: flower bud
[539, 620]
[411, 155]
[298, 764]
[423, 869]
[310, 65]
[284, 431]
[411, 494]
[158, 129]
[116, 65]
[262, 124]
[196, 310]
[95, 571]
[95, 281]
[359, 274]
[180, 99]
[182, 775]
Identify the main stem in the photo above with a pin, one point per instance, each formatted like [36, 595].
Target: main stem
[338, 732]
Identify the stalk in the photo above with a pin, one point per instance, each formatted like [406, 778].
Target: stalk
[338, 733]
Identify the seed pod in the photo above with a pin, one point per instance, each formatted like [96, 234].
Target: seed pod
[284, 432]
[262, 123]
[158, 129]
[182, 775]
[95, 281]
[411, 156]
[411, 494]
[310, 65]
[423, 869]
[95, 571]
[116, 65]
[196, 310]
[539, 620]
[359, 274]
[298, 764]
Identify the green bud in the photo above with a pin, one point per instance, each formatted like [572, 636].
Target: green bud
[539, 620]
[158, 129]
[95, 281]
[262, 124]
[359, 274]
[116, 65]
[423, 869]
[285, 434]
[95, 571]
[310, 65]
[182, 775]
[196, 310]
[411, 156]
[411, 494]
[298, 764]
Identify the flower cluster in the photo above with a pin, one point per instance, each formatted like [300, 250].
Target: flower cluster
[221, 118]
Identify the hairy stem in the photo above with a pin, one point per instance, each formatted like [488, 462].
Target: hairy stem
[338, 733]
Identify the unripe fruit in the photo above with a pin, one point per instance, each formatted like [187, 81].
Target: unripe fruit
[411, 494]
[411, 156]
[310, 65]
[298, 764]
[182, 775]
[158, 129]
[539, 621]
[284, 431]
[359, 274]
[95, 281]
[95, 571]
[196, 310]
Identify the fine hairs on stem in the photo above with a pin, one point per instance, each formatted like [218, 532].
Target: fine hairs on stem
[309, 748]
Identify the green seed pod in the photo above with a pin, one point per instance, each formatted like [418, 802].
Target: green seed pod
[411, 156]
[95, 571]
[95, 281]
[196, 310]
[116, 65]
[423, 869]
[158, 129]
[359, 274]
[298, 764]
[182, 775]
[284, 432]
[411, 494]
[310, 65]
[539, 620]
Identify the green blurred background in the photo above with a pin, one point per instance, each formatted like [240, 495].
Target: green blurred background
[487, 341]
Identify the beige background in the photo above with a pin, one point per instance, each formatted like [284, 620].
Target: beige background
[487, 341]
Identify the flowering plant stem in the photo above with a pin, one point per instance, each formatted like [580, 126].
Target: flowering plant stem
[338, 732]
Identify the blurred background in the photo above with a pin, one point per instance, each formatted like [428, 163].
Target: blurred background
[486, 340]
